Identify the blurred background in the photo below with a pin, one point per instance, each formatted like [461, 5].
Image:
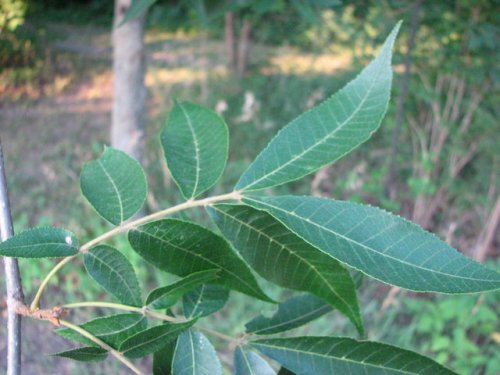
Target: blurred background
[259, 63]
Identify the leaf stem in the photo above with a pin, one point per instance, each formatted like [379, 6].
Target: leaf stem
[36, 301]
[119, 356]
[235, 195]
[218, 334]
[156, 215]
[141, 310]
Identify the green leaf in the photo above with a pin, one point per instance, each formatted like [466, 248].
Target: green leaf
[183, 248]
[382, 245]
[166, 296]
[291, 314]
[136, 9]
[152, 339]
[194, 354]
[204, 300]
[88, 354]
[339, 355]
[115, 185]
[285, 259]
[112, 270]
[111, 329]
[40, 243]
[195, 143]
[327, 132]
[285, 371]
[249, 363]
[162, 359]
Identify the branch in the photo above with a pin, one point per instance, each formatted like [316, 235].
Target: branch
[12, 280]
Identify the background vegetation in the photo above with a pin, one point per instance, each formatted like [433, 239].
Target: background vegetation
[55, 89]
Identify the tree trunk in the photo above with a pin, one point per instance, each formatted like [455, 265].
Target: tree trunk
[243, 47]
[229, 41]
[129, 90]
[405, 82]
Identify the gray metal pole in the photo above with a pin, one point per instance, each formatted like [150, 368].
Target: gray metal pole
[12, 280]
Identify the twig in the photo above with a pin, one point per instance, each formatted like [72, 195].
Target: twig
[12, 280]
[141, 310]
[119, 356]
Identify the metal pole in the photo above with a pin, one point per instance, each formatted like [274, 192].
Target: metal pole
[12, 280]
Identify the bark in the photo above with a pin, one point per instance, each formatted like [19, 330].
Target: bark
[243, 47]
[405, 82]
[129, 90]
[229, 41]
[12, 280]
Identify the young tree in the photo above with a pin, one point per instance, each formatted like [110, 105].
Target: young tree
[129, 90]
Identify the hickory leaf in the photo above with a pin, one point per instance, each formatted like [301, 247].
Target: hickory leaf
[329, 131]
[162, 359]
[183, 248]
[382, 245]
[166, 296]
[194, 354]
[152, 339]
[112, 270]
[204, 300]
[113, 330]
[115, 185]
[40, 243]
[247, 362]
[285, 259]
[340, 355]
[86, 354]
[195, 143]
[291, 314]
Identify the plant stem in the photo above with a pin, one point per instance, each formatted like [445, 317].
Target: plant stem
[235, 195]
[13, 285]
[118, 306]
[36, 301]
[217, 334]
[102, 344]
[156, 215]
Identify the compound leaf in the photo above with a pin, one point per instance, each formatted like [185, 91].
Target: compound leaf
[339, 355]
[112, 270]
[115, 185]
[329, 131]
[194, 354]
[285, 259]
[195, 143]
[166, 296]
[382, 245]
[183, 248]
[204, 300]
[250, 363]
[291, 314]
[86, 354]
[40, 243]
[152, 339]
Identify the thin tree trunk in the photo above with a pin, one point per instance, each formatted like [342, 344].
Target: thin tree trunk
[488, 235]
[405, 82]
[129, 90]
[243, 47]
[12, 280]
[229, 41]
